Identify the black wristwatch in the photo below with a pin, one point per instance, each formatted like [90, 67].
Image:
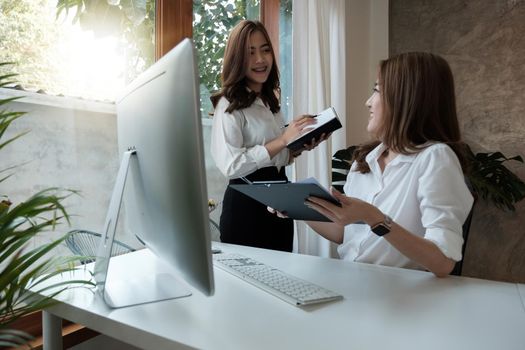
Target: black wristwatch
[383, 227]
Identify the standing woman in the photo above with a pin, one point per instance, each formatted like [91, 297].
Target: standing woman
[407, 185]
[248, 141]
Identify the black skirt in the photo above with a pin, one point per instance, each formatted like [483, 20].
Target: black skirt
[247, 222]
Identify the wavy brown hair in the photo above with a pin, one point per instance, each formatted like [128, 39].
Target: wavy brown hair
[236, 56]
[419, 106]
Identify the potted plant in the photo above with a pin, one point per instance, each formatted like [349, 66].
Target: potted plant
[23, 267]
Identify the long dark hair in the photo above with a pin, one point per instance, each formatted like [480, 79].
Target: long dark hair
[419, 106]
[236, 56]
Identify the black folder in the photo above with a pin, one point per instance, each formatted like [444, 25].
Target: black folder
[288, 198]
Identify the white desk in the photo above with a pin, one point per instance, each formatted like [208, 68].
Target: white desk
[383, 308]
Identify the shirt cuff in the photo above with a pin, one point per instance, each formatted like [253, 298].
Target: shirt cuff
[449, 242]
[261, 156]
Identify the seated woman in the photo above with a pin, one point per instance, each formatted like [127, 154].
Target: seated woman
[407, 184]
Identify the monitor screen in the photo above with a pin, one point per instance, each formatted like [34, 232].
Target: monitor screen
[165, 195]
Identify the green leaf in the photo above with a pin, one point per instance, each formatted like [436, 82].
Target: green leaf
[13, 337]
[494, 182]
[23, 269]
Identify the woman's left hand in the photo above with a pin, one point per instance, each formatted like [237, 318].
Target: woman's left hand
[314, 143]
[351, 210]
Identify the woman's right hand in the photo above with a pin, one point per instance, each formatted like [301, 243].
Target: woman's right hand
[297, 127]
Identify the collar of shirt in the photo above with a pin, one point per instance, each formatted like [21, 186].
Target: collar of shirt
[373, 156]
[259, 101]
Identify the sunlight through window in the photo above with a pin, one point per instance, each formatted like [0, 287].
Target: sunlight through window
[92, 53]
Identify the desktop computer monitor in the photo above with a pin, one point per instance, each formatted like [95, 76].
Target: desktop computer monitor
[165, 197]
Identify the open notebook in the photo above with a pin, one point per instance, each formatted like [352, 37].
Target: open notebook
[326, 122]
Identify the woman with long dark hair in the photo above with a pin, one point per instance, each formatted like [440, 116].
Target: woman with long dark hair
[249, 137]
[405, 196]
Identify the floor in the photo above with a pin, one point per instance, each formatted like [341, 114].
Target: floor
[103, 342]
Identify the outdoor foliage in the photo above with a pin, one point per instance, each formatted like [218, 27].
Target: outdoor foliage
[212, 22]
[131, 20]
[24, 266]
[25, 38]
[134, 20]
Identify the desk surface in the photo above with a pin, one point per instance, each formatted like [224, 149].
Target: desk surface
[383, 308]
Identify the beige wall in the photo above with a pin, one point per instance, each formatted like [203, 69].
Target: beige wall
[367, 44]
[484, 43]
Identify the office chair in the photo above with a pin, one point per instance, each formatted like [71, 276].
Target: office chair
[466, 228]
[85, 243]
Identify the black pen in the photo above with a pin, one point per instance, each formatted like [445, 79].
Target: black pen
[286, 125]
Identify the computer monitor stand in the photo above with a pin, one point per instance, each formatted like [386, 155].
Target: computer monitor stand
[143, 286]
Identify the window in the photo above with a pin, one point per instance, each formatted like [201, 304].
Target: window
[209, 22]
[212, 22]
[91, 50]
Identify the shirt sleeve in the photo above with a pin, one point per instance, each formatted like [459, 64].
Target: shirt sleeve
[445, 200]
[227, 147]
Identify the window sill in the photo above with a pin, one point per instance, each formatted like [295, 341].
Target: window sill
[59, 101]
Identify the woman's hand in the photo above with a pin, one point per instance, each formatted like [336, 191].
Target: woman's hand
[297, 127]
[351, 210]
[278, 213]
[314, 143]
[309, 147]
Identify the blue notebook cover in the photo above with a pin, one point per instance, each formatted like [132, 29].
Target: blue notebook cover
[289, 197]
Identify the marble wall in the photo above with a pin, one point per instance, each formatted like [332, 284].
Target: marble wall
[484, 43]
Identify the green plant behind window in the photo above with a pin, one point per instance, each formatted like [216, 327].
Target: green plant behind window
[212, 22]
[24, 267]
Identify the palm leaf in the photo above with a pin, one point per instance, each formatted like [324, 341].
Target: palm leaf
[24, 272]
[13, 338]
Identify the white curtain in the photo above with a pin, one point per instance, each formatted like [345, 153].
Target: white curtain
[318, 82]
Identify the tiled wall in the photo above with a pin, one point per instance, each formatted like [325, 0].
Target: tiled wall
[484, 43]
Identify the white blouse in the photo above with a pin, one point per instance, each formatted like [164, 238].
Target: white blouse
[238, 139]
[424, 192]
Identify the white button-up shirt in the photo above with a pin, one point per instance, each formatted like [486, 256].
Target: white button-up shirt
[424, 192]
[238, 138]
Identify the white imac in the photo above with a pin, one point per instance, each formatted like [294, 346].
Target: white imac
[164, 192]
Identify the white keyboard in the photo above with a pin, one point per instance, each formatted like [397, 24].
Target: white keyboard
[287, 287]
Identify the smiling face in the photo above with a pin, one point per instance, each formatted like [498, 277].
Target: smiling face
[260, 61]
[375, 106]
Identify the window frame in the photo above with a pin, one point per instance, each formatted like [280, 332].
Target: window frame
[174, 22]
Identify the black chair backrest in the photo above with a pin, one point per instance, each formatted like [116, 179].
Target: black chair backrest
[466, 228]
